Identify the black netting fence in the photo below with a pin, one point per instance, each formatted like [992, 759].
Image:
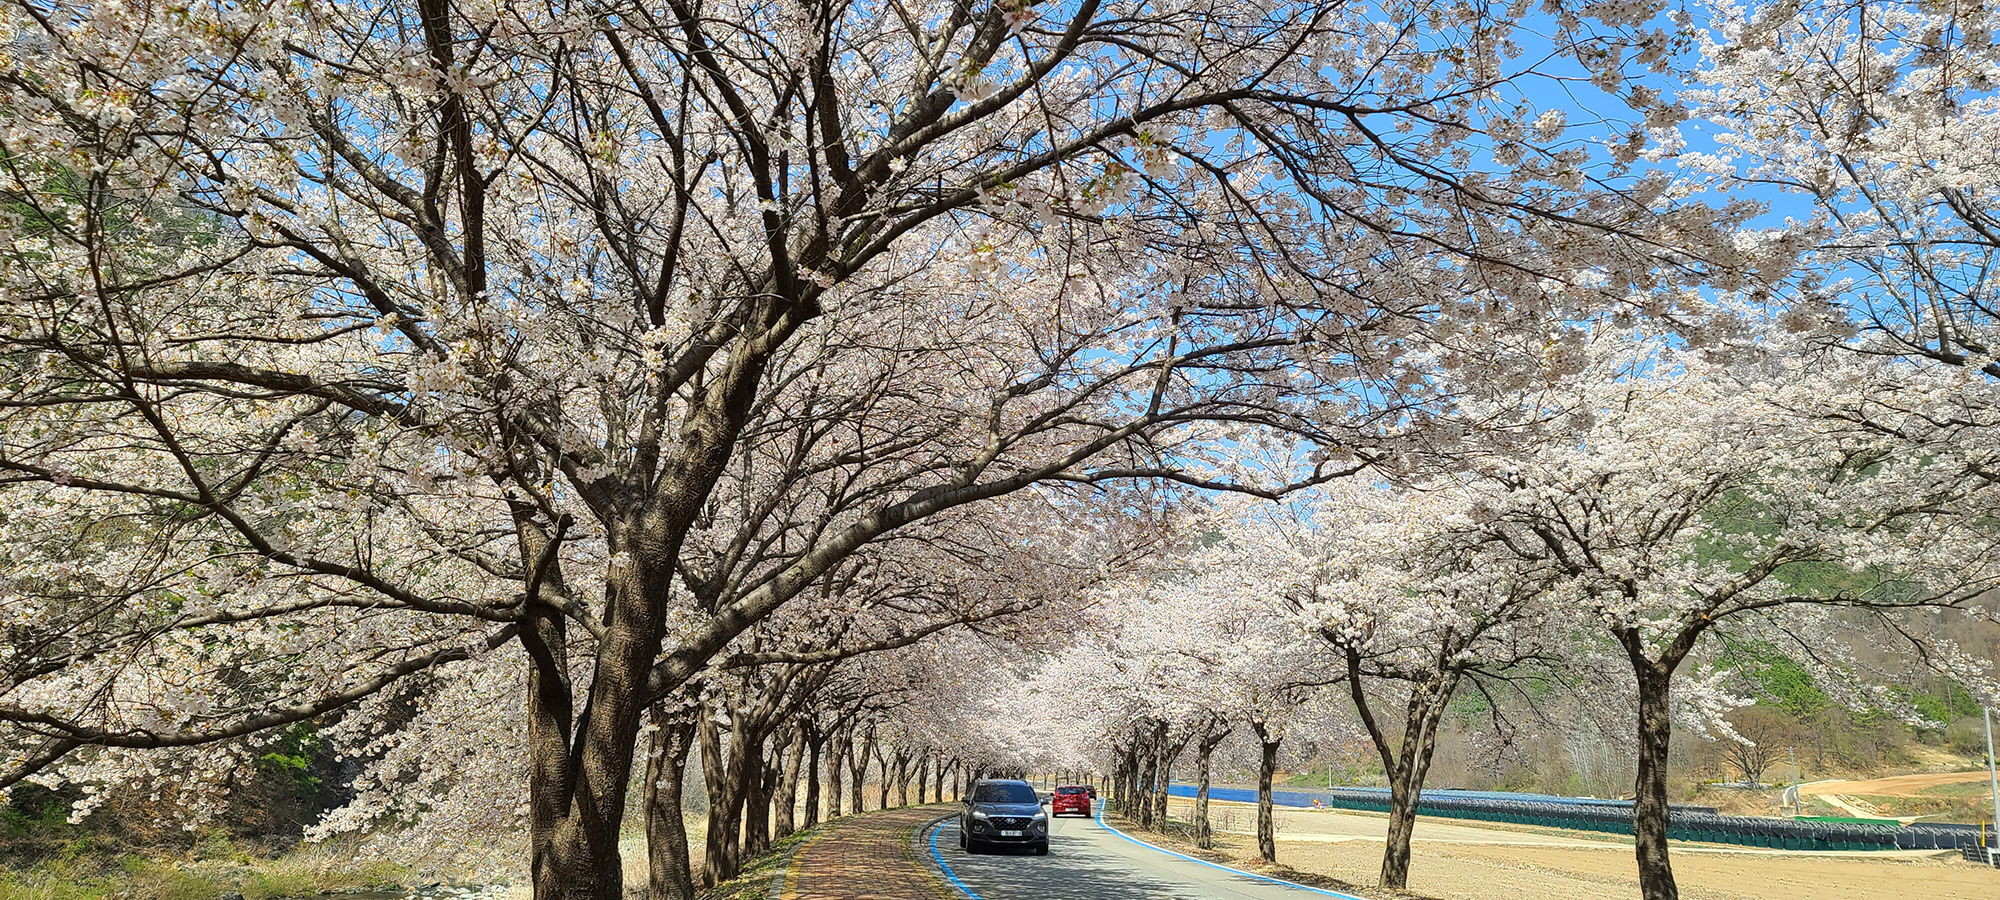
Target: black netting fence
[1685, 822]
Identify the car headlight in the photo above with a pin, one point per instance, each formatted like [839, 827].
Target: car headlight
[978, 814]
[1041, 816]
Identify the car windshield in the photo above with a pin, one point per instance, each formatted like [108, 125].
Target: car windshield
[1003, 793]
[1069, 790]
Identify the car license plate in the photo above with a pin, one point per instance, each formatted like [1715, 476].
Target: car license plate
[1010, 832]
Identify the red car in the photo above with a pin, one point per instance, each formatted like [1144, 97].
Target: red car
[1070, 798]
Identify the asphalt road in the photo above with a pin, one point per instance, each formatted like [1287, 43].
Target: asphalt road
[1089, 861]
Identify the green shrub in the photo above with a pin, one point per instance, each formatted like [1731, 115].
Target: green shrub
[215, 845]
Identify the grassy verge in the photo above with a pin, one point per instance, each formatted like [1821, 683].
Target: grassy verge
[87, 869]
[755, 881]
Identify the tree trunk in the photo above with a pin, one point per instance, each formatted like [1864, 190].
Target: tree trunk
[1129, 796]
[572, 827]
[1267, 839]
[903, 780]
[1422, 714]
[1649, 791]
[882, 764]
[1402, 824]
[1142, 796]
[1126, 782]
[1168, 751]
[785, 815]
[669, 873]
[859, 769]
[1204, 835]
[836, 764]
[762, 766]
[724, 772]
[815, 742]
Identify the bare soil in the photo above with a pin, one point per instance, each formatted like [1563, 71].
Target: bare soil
[1455, 860]
[1896, 786]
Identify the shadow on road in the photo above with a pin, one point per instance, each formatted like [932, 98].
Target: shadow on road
[1071, 871]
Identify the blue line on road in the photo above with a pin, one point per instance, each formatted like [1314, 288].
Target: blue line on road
[1107, 827]
[946, 867]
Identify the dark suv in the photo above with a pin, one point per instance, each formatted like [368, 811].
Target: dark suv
[1003, 812]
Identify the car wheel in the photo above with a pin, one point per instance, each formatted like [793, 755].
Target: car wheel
[1042, 849]
[962, 845]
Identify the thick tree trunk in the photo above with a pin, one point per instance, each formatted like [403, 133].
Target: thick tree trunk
[762, 765]
[1169, 752]
[836, 764]
[1649, 791]
[1204, 835]
[1127, 785]
[669, 873]
[859, 770]
[815, 743]
[785, 815]
[1267, 839]
[1402, 824]
[577, 801]
[572, 828]
[723, 770]
[1422, 714]
[1129, 798]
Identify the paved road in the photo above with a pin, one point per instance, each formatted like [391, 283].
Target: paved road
[1088, 861]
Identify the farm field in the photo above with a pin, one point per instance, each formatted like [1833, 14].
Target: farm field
[1455, 861]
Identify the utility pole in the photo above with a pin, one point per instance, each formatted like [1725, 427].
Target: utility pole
[1992, 780]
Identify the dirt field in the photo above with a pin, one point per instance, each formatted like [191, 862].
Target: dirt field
[1898, 786]
[1456, 861]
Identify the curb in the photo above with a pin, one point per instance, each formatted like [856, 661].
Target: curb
[923, 843]
[785, 882]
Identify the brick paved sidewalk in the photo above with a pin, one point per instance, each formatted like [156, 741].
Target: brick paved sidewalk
[866, 857]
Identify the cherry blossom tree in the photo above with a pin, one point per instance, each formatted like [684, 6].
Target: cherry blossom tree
[1391, 583]
[1696, 497]
[349, 343]
[1867, 123]
[1195, 644]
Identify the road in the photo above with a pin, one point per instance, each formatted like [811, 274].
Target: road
[1089, 861]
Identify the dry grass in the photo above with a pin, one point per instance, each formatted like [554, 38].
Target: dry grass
[215, 869]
